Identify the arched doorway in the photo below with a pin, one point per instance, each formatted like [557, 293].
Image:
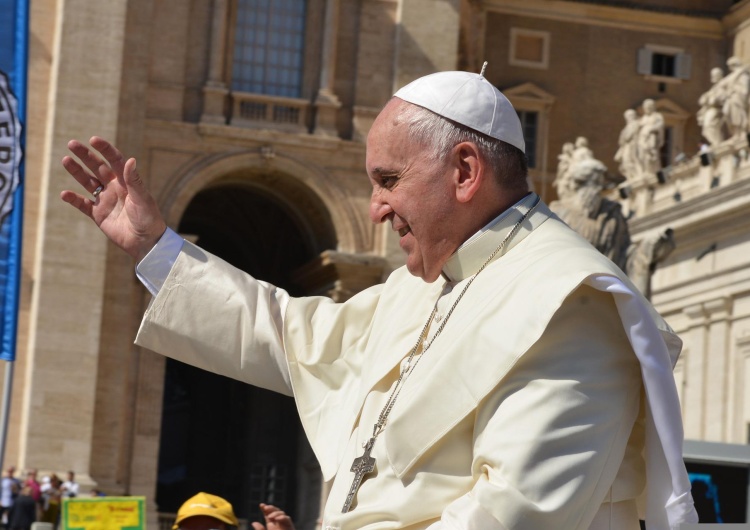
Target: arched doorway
[219, 435]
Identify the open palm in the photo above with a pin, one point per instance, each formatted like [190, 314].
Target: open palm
[123, 209]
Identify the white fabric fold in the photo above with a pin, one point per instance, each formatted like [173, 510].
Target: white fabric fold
[669, 502]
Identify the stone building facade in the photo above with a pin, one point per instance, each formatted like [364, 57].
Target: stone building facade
[261, 160]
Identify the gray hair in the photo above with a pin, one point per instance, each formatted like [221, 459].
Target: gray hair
[439, 135]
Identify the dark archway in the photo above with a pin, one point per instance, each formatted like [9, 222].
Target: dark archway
[219, 435]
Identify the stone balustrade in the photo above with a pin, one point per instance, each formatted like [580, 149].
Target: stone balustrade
[252, 110]
[685, 181]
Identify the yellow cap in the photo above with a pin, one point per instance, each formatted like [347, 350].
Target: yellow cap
[206, 504]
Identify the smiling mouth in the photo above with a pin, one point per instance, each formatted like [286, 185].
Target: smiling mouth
[403, 231]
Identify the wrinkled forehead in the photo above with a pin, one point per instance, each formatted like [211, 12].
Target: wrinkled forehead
[390, 117]
[389, 127]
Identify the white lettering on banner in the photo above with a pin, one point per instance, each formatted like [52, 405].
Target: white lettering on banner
[10, 147]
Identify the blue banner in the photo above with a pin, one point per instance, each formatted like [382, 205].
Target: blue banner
[14, 38]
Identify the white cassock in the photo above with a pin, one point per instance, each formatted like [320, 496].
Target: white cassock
[526, 413]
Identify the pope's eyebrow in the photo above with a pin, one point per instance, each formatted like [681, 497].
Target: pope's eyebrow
[378, 170]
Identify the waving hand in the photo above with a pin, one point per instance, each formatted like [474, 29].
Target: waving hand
[120, 205]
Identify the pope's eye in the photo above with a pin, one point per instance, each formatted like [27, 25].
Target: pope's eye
[388, 181]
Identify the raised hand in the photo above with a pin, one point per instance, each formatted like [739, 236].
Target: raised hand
[276, 519]
[120, 205]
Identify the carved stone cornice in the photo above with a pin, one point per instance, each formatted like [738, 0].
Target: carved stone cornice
[718, 208]
[714, 310]
[610, 16]
[340, 275]
[738, 17]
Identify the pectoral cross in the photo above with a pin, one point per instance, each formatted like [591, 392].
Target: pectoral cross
[360, 467]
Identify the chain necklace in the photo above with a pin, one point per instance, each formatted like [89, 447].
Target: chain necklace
[366, 464]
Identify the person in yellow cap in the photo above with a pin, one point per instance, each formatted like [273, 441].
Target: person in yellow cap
[204, 511]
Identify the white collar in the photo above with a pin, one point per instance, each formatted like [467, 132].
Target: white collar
[472, 254]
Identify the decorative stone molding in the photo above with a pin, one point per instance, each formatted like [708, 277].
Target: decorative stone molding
[332, 219]
[743, 342]
[340, 275]
[609, 16]
[523, 48]
[704, 313]
[719, 308]
[326, 105]
[215, 105]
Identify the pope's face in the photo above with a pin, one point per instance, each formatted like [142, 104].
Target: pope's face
[412, 191]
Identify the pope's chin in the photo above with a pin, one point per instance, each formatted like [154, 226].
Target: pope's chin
[416, 267]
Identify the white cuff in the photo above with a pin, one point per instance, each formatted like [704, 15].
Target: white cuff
[153, 270]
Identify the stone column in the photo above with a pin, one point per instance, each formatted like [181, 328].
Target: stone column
[144, 458]
[215, 91]
[327, 103]
[69, 261]
[742, 389]
[717, 428]
[694, 370]
[426, 44]
[376, 48]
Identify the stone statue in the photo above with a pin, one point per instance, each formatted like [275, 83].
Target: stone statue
[627, 154]
[601, 221]
[737, 86]
[582, 151]
[710, 116]
[564, 160]
[650, 139]
[571, 155]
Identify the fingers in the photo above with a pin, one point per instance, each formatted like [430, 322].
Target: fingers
[98, 167]
[110, 153]
[133, 181]
[88, 182]
[92, 171]
[258, 526]
[83, 204]
[276, 516]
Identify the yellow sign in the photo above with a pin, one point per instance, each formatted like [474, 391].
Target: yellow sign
[104, 513]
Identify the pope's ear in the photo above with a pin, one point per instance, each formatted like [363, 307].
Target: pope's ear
[471, 170]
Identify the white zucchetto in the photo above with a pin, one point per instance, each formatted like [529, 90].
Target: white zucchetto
[468, 99]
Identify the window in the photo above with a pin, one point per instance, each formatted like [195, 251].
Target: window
[533, 106]
[529, 124]
[663, 63]
[268, 47]
[529, 48]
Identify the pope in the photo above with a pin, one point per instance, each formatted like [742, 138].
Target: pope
[508, 377]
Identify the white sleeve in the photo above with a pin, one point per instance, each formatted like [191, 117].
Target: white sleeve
[216, 317]
[153, 270]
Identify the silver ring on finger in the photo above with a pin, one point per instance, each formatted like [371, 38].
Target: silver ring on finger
[98, 190]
